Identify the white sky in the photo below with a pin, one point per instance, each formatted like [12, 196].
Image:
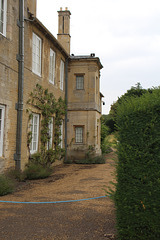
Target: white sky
[124, 34]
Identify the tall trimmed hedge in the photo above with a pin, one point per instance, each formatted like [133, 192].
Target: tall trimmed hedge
[137, 196]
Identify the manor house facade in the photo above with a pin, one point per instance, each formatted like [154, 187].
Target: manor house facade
[46, 61]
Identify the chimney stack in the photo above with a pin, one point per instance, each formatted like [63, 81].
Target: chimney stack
[63, 35]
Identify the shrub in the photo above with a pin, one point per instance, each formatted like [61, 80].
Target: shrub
[137, 193]
[15, 174]
[37, 171]
[46, 160]
[104, 131]
[92, 160]
[106, 146]
[6, 185]
[109, 144]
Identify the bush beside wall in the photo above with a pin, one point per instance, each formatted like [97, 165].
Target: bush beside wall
[6, 185]
[137, 196]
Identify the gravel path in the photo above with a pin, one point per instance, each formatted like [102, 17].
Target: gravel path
[93, 219]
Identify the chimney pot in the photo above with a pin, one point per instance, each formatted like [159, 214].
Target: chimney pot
[60, 8]
[66, 8]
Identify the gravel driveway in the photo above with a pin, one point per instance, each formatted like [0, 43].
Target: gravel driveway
[92, 219]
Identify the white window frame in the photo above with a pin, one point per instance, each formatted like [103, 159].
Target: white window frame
[36, 54]
[4, 13]
[2, 109]
[79, 134]
[50, 128]
[52, 66]
[79, 82]
[61, 74]
[34, 130]
[61, 136]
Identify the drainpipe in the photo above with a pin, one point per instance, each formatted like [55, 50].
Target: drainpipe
[66, 99]
[19, 105]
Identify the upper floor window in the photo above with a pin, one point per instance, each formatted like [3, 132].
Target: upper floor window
[61, 75]
[35, 133]
[36, 54]
[52, 66]
[2, 108]
[79, 82]
[3, 16]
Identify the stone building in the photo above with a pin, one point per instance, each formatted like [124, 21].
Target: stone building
[47, 61]
[84, 106]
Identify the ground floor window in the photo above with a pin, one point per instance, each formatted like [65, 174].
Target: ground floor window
[2, 109]
[50, 128]
[79, 134]
[61, 135]
[35, 133]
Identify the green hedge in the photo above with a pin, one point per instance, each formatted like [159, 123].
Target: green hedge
[137, 196]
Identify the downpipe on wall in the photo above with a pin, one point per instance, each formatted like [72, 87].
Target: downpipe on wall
[19, 105]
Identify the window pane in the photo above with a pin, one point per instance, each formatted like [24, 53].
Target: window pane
[61, 136]
[36, 54]
[34, 146]
[35, 130]
[1, 128]
[61, 75]
[52, 66]
[2, 4]
[49, 144]
[1, 27]
[2, 16]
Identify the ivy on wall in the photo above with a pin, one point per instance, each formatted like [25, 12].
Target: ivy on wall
[48, 107]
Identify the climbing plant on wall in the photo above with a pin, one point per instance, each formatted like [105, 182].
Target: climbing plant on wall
[47, 106]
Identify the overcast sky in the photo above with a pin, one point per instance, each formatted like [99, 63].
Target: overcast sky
[124, 34]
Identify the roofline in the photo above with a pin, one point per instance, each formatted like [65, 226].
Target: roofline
[90, 57]
[48, 34]
[101, 95]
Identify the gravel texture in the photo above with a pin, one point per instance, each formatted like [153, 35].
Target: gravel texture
[86, 220]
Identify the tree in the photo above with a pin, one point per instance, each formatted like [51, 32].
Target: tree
[136, 91]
